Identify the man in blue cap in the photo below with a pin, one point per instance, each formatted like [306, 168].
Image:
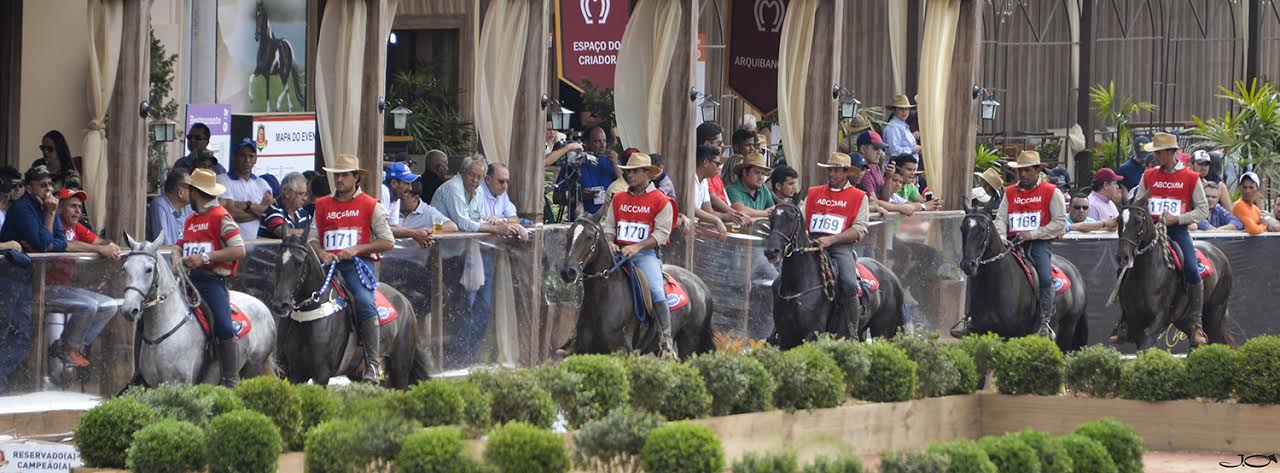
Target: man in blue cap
[398, 180]
[1132, 169]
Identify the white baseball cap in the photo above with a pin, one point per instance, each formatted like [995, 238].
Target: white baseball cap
[1200, 156]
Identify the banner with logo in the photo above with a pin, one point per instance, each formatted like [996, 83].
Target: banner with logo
[755, 31]
[218, 118]
[588, 37]
[286, 143]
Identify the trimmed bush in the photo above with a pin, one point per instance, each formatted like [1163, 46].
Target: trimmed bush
[849, 464]
[435, 450]
[770, 357]
[965, 456]
[436, 402]
[1010, 454]
[221, 399]
[276, 399]
[1121, 442]
[516, 398]
[477, 407]
[1053, 457]
[1211, 371]
[104, 432]
[195, 404]
[522, 448]
[1258, 379]
[613, 443]
[649, 378]
[966, 368]
[317, 404]
[682, 447]
[329, 448]
[766, 463]
[1029, 365]
[891, 377]
[1094, 371]
[809, 380]
[687, 398]
[167, 446]
[379, 438]
[737, 384]
[914, 462]
[851, 358]
[936, 373]
[1154, 376]
[586, 387]
[984, 349]
[243, 441]
[1087, 455]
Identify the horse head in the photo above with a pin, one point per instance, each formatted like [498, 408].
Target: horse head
[786, 231]
[1134, 227]
[977, 231]
[142, 278]
[260, 17]
[586, 238]
[293, 268]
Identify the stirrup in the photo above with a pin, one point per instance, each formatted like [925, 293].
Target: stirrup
[1117, 334]
[962, 327]
[1046, 330]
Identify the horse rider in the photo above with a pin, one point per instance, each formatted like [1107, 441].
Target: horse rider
[636, 223]
[1175, 197]
[352, 228]
[837, 213]
[1033, 213]
[211, 249]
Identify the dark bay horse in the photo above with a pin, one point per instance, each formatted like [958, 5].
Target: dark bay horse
[607, 321]
[319, 340]
[1002, 299]
[801, 308]
[1150, 289]
[274, 58]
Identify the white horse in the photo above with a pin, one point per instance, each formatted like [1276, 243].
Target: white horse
[173, 346]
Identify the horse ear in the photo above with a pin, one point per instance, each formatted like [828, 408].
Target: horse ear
[306, 233]
[133, 244]
[156, 243]
[968, 209]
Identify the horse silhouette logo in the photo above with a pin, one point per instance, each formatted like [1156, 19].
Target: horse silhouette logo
[596, 12]
[772, 23]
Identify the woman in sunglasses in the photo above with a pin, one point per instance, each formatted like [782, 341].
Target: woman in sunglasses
[56, 157]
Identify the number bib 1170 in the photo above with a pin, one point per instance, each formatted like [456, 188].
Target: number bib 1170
[196, 248]
[632, 232]
[340, 239]
[827, 224]
[1163, 205]
[1024, 222]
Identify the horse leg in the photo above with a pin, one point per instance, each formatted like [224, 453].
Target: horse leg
[401, 354]
[284, 92]
[249, 89]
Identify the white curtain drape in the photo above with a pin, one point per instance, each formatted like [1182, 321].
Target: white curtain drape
[794, 51]
[502, 53]
[339, 76]
[942, 18]
[644, 64]
[896, 12]
[106, 23]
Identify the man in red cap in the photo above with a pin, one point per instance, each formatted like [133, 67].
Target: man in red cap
[89, 311]
[1106, 191]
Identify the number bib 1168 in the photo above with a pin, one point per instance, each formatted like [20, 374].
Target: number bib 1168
[1024, 222]
[340, 239]
[632, 232]
[196, 248]
[1163, 205]
[826, 224]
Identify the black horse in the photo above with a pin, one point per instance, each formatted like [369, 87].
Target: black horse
[1150, 290]
[803, 299]
[607, 322]
[275, 58]
[1002, 298]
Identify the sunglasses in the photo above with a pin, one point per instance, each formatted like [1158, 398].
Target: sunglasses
[1080, 207]
[503, 181]
[46, 148]
[197, 138]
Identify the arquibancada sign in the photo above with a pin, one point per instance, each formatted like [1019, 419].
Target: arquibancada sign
[588, 38]
[755, 33]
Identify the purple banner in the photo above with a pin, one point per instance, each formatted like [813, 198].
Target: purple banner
[218, 118]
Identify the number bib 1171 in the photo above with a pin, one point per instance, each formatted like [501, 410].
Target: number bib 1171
[1163, 205]
[340, 239]
[1024, 222]
[827, 224]
[632, 232]
[196, 248]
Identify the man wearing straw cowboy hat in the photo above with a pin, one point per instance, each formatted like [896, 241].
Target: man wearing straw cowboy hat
[837, 213]
[352, 228]
[212, 247]
[1033, 213]
[636, 223]
[1175, 196]
[991, 183]
[749, 195]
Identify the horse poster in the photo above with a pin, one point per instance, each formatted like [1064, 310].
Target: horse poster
[262, 54]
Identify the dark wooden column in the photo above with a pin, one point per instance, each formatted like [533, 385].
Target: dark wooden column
[962, 116]
[819, 133]
[373, 80]
[1084, 116]
[527, 136]
[678, 115]
[1253, 41]
[912, 72]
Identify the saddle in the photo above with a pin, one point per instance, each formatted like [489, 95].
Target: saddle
[239, 321]
[387, 313]
[1205, 266]
[1061, 283]
[676, 295]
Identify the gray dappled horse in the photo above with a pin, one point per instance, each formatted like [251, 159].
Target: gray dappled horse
[319, 339]
[1001, 297]
[173, 346]
[801, 308]
[1151, 293]
[607, 321]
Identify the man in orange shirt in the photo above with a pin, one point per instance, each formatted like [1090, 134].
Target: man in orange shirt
[1246, 209]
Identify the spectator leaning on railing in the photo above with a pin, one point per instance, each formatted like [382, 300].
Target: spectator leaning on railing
[89, 311]
[1246, 209]
[32, 220]
[1220, 219]
[166, 212]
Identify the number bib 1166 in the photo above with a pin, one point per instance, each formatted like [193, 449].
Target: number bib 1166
[1023, 222]
[1163, 205]
[827, 224]
[340, 239]
[632, 232]
[196, 248]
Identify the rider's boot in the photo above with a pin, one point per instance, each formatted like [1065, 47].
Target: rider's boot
[1195, 299]
[372, 355]
[1118, 333]
[1046, 313]
[229, 360]
[567, 348]
[666, 345]
[962, 327]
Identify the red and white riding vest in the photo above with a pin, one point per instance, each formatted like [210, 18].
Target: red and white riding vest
[1028, 209]
[636, 215]
[202, 233]
[342, 225]
[1169, 193]
[830, 211]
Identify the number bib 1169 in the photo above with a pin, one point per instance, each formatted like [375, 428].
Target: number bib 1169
[340, 239]
[196, 248]
[632, 232]
[1024, 222]
[827, 224]
[1163, 205]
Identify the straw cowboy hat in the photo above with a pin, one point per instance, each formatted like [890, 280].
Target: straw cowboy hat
[206, 181]
[752, 160]
[1026, 159]
[900, 101]
[841, 160]
[992, 176]
[859, 125]
[345, 163]
[1161, 141]
[641, 161]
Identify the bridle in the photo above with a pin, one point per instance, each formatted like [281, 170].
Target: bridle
[989, 225]
[1144, 216]
[790, 248]
[306, 273]
[591, 253]
[147, 297]
[151, 298]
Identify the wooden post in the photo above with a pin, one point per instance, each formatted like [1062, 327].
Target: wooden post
[527, 137]
[1253, 41]
[962, 119]
[677, 147]
[819, 136]
[373, 84]
[1084, 116]
[912, 73]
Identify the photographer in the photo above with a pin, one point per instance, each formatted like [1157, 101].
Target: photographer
[584, 176]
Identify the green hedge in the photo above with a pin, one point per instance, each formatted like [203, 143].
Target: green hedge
[849, 464]
[1121, 442]
[276, 399]
[195, 404]
[613, 443]
[737, 383]
[477, 408]
[167, 446]
[687, 397]
[1155, 375]
[682, 447]
[1010, 454]
[104, 432]
[1258, 379]
[1087, 455]
[919, 461]
[517, 397]
[1053, 457]
[317, 405]
[1211, 371]
[243, 441]
[937, 374]
[965, 457]
[1094, 371]
[522, 448]
[983, 348]
[850, 356]
[752, 462]
[809, 379]
[436, 402]
[1029, 365]
[891, 376]
[329, 448]
[435, 450]
[967, 369]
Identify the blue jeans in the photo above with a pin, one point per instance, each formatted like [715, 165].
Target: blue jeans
[648, 263]
[213, 289]
[358, 295]
[89, 312]
[1041, 259]
[15, 320]
[1190, 265]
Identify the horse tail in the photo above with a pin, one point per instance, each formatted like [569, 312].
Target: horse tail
[707, 341]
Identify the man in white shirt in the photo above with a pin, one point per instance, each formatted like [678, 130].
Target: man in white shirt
[497, 205]
[397, 181]
[415, 214]
[248, 197]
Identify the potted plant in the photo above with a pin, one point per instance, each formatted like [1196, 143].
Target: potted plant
[1116, 111]
[597, 104]
[436, 122]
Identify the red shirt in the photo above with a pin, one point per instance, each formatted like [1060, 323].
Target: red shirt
[60, 272]
[342, 225]
[1028, 209]
[636, 215]
[1169, 192]
[715, 186]
[830, 211]
[203, 234]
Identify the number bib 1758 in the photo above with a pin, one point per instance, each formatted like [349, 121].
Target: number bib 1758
[196, 248]
[1023, 222]
[1163, 205]
[632, 232]
[827, 224]
[340, 239]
